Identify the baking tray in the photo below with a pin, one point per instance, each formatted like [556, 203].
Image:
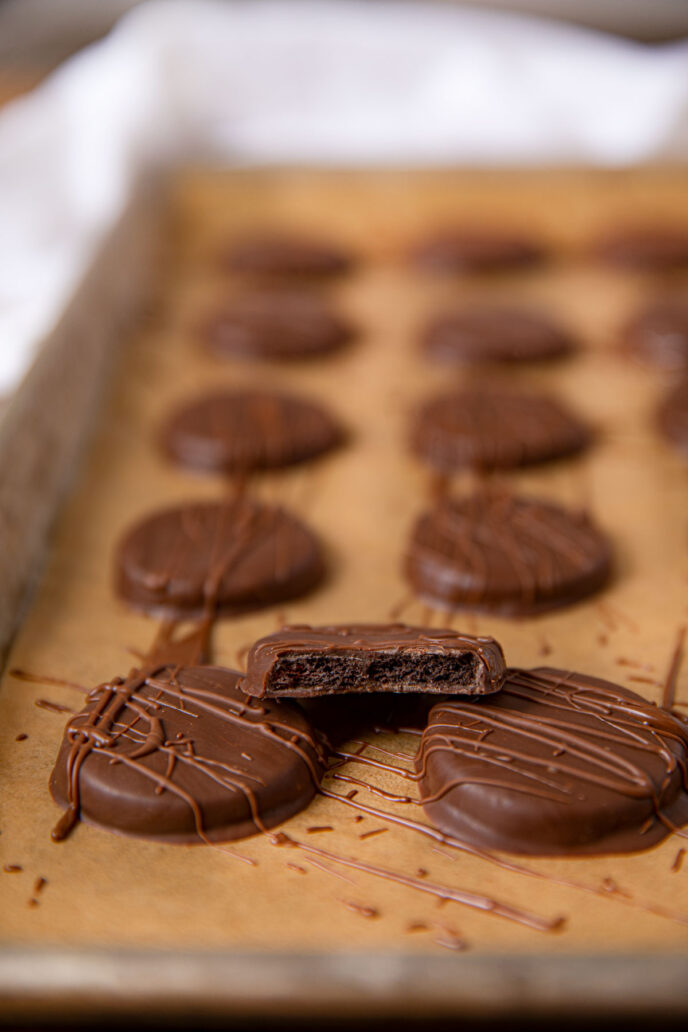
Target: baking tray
[124, 926]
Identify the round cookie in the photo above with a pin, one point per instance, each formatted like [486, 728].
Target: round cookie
[488, 428]
[233, 555]
[645, 248]
[672, 416]
[469, 250]
[658, 334]
[555, 764]
[515, 556]
[180, 754]
[286, 256]
[243, 430]
[277, 325]
[494, 333]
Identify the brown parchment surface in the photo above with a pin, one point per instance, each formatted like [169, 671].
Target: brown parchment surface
[106, 890]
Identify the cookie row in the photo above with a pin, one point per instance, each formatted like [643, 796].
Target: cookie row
[532, 761]
[457, 249]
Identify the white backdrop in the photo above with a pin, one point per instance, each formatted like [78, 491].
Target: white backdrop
[346, 82]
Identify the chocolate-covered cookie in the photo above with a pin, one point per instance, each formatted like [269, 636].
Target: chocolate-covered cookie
[494, 333]
[658, 334]
[556, 763]
[672, 416]
[645, 248]
[232, 555]
[280, 325]
[472, 250]
[281, 255]
[243, 430]
[505, 554]
[180, 754]
[489, 428]
[304, 661]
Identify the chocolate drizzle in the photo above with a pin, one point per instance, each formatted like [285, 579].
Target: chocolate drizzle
[507, 554]
[276, 325]
[241, 431]
[181, 754]
[207, 556]
[492, 333]
[560, 763]
[474, 900]
[488, 428]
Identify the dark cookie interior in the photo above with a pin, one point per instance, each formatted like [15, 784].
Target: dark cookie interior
[308, 661]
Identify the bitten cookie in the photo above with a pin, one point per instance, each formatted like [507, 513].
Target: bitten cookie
[304, 661]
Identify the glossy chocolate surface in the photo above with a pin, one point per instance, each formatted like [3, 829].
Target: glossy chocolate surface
[494, 334]
[556, 764]
[232, 555]
[506, 554]
[277, 325]
[489, 428]
[245, 430]
[180, 754]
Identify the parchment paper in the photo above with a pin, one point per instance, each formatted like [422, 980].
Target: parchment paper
[104, 890]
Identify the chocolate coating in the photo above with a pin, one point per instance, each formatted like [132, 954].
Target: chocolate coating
[555, 764]
[182, 755]
[492, 428]
[304, 661]
[506, 554]
[285, 256]
[645, 248]
[280, 325]
[232, 555]
[494, 333]
[672, 416]
[469, 250]
[240, 431]
[658, 334]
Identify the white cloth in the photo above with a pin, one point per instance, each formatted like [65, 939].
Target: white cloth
[348, 82]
